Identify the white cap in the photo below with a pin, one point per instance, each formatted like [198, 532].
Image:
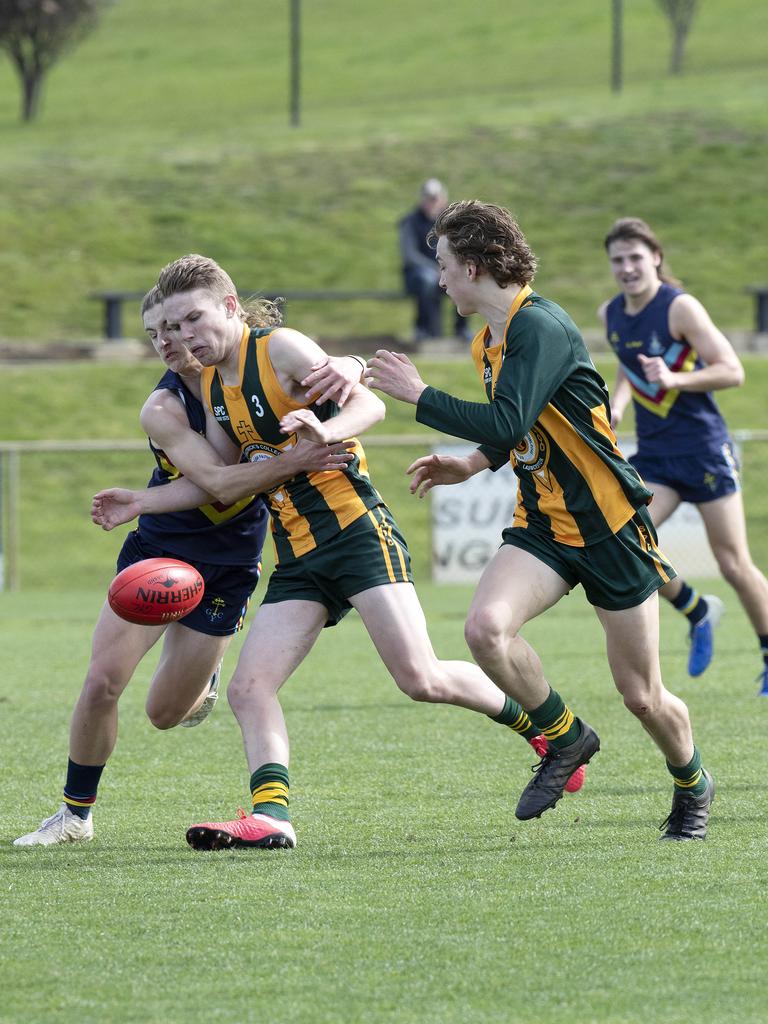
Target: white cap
[433, 187]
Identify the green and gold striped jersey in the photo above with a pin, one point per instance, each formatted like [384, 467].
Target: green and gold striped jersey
[310, 507]
[548, 413]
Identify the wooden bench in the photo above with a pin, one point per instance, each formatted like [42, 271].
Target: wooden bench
[760, 292]
[113, 302]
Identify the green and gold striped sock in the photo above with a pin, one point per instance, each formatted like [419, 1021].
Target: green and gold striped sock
[269, 791]
[556, 721]
[516, 718]
[689, 777]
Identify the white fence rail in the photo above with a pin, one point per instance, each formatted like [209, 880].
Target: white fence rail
[12, 452]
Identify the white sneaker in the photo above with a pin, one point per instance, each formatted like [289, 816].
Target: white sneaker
[61, 827]
[208, 704]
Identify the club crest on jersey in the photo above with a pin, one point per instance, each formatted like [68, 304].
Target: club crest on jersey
[487, 376]
[259, 452]
[654, 346]
[532, 455]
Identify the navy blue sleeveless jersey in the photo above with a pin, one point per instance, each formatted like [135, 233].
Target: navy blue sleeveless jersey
[217, 534]
[671, 422]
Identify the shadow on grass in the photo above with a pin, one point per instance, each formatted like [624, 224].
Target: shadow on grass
[113, 856]
[413, 848]
[336, 708]
[571, 827]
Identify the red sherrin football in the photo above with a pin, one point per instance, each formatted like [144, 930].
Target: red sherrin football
[156, 591]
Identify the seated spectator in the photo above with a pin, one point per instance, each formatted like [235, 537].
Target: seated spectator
[420, 271]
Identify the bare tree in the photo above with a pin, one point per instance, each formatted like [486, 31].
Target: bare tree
[680, 14]
[35, 33]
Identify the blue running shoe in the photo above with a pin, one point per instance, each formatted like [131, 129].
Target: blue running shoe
[701, 636]
[763, 680]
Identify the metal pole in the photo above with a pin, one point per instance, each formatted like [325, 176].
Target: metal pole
[3, 515]
[617, 46]
[295, 62]
[12, 515]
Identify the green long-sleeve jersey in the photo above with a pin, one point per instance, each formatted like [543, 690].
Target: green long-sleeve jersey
[547, 412]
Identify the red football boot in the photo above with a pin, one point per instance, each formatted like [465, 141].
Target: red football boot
[246, 830]
[576, 781]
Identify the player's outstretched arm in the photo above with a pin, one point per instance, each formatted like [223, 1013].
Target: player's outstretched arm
[523, 388]
[115, 506]
[211, 462]
[395, 375]
[231, 483]
[432, 470]
[118, 505]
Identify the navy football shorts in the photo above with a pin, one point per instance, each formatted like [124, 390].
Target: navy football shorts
[697, 478]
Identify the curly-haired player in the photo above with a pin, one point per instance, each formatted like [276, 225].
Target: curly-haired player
[581, 515]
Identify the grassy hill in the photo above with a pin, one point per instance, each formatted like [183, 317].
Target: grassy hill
[167, 132]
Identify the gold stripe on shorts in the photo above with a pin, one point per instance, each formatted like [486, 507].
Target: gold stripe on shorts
[647, 545]
[382, 541]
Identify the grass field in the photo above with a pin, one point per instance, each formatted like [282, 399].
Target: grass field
[414, 894]
[153, 143]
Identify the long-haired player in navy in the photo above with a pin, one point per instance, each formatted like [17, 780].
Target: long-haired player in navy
[671, 358]
[223, 542]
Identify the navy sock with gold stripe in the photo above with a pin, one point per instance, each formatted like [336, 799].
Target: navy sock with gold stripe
[516, 718]
[81, 786]
[269, 791]
[692, 605]
[556, 721]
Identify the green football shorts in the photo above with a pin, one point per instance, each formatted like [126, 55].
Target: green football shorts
[620, 572]
[369, 552]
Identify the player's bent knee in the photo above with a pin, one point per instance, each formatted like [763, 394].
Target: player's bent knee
[642, 706]
[237, 693]
[486, 632]
[733, 569]
[102, 688]
[422, 688]
[244, 692]
[164, 718]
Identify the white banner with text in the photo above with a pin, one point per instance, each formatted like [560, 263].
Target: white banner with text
[467, 520]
